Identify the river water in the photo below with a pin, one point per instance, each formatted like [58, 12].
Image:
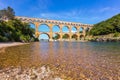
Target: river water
[91, 60]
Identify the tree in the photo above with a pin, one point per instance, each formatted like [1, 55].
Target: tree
[65, 36]
[10, 13]
[2, 14]
[7, 13]
[57, 36]
[109, 26]
[13, 29]
[74, 36]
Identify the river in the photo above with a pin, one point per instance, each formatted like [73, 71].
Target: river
[94, 60]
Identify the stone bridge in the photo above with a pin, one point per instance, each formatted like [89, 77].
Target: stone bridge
[50, 23]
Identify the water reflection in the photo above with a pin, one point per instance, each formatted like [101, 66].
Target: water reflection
[72, 59]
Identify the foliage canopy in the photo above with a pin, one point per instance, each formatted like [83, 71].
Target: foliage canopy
[109, 26]
[13, 29]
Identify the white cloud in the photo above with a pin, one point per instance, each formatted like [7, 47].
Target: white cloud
[73, 14]
[41, 5]
[108, 9]
[83, 16]
[104, 9]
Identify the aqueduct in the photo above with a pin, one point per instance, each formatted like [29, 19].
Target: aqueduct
[50, 23]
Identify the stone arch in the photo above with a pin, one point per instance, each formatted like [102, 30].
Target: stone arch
[44, 37]
[56, 36]
[32, 24]
[75, 36]
[74, 29]
[56, 28]
[44, 28]
[81, 36]
[44, 24]
[65, 29]
[87, 29]
[81, 29]
[66, 36]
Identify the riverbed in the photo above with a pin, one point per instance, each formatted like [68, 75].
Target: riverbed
[68, 60]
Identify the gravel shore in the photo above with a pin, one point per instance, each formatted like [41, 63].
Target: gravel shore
[4, 45]
[9, 44]
[39, 73]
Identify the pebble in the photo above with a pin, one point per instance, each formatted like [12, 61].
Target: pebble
[39, 73]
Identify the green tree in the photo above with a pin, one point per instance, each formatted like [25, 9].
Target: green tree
[74, 36]
[15, 30]
[65, 36]
[10, 13]
[56, 37]
[7, 13]
[109, 26]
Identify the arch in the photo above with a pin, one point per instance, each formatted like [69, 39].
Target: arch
[43, 28]
[44, 37]
[32, 25]
[87, 29]
[81, 37]
[74, 29]
[66, 36]
[81, 29]
[56, 28]
[65, 29]
[74, 36]
[56, 36]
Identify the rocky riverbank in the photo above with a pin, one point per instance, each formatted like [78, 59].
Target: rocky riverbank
[105, 39]
[39, 73]
[3, 46]
[9, 44]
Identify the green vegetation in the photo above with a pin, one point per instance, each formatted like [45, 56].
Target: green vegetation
[110, 26]
[56, 37]
[65, 36]
[74, 37]
[7, 13]
[12, 29]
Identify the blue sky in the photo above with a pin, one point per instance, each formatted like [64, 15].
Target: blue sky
[83, 11]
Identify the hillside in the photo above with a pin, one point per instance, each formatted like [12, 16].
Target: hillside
[110, 26]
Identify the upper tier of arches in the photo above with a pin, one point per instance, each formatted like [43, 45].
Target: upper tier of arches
[27, 19]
